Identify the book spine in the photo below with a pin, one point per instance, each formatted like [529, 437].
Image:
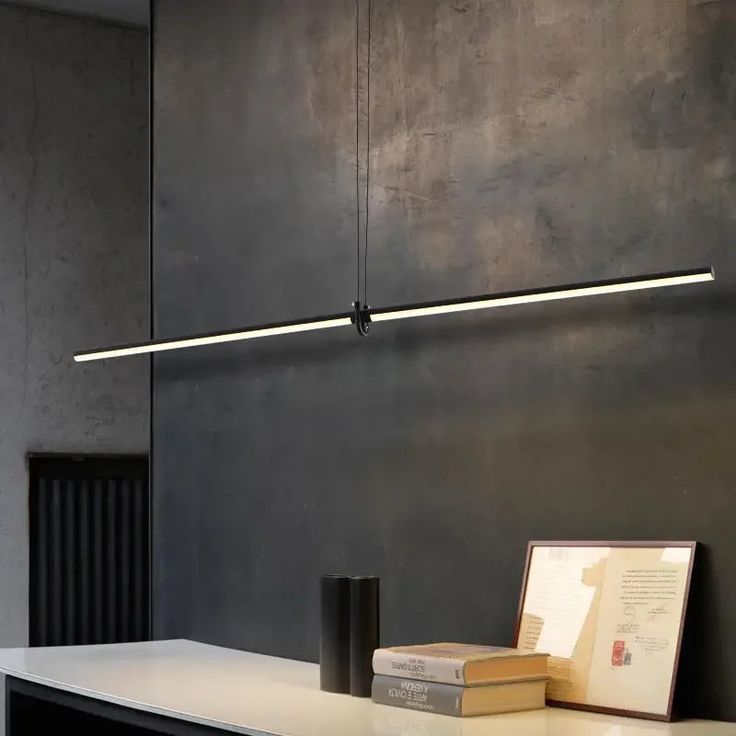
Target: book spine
[431, 697]
[428, 669]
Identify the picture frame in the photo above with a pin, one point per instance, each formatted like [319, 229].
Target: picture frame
[611, 614]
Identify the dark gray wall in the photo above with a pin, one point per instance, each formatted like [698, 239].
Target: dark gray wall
[73, 257]
[514, 144]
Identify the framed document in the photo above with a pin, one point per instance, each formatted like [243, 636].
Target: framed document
[611, 615]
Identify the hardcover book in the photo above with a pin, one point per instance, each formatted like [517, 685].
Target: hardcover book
[460, 664]
[454, 700]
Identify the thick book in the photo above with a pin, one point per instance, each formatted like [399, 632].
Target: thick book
[459, 664]
[454, 700]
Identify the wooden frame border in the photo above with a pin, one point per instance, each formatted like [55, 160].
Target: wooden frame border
[668, 716]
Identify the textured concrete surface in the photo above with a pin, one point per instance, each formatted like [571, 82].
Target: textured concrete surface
[514, 143]
[73, 257]
[131, 12]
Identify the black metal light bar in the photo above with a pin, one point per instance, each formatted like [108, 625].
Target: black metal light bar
[362, 315]
[213, 338]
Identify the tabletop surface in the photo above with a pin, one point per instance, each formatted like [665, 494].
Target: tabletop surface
[255, 694]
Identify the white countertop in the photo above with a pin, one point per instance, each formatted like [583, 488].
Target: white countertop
[255, 694]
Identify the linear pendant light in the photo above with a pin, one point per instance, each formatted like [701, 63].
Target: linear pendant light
[362, 316]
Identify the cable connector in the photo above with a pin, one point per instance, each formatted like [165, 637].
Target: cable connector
[361, 318]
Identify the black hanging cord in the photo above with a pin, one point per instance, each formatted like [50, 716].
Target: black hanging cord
[357, 148]
[361, 312]
[367, 161]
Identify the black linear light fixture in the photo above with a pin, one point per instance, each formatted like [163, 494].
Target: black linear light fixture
[362, 315]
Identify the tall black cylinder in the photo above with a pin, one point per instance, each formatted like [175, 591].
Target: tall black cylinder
[334, 640]
[364, 632]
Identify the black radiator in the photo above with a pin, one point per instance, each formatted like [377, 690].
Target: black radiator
[89, 550]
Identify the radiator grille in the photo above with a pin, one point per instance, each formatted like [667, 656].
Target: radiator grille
[89, 555]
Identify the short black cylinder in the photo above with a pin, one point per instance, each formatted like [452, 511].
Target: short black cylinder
[364, 632]
[334, 640]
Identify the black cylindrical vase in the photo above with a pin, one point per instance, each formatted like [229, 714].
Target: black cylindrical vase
[364, 633]
[334, 640]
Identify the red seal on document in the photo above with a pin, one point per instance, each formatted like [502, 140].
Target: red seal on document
[617, 653]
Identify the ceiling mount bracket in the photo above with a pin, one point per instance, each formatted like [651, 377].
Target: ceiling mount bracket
[361, 317]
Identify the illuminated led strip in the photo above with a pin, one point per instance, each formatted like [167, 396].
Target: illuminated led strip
[407, 311]
[544, 295]
[158, 346]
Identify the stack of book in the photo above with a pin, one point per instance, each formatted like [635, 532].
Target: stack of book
[459, 679]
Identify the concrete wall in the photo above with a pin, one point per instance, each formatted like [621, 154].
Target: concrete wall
[73, 257]
[515, 143]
